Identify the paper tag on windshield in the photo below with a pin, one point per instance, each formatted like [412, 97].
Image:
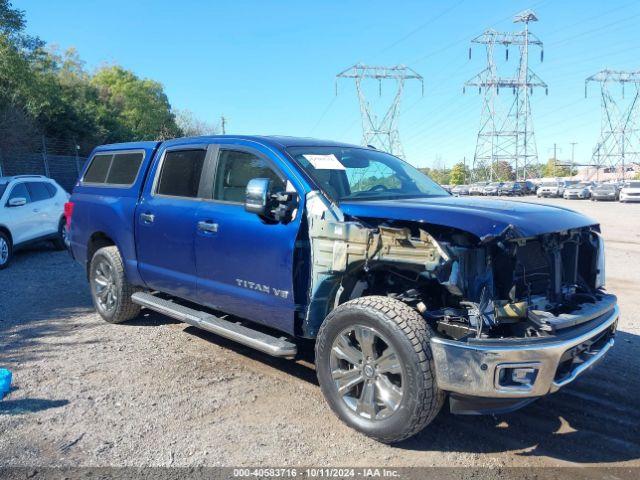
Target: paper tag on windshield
[325, 162]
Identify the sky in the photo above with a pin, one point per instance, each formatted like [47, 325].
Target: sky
[269, 66]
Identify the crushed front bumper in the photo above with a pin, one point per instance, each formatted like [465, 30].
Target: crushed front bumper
[520, 369]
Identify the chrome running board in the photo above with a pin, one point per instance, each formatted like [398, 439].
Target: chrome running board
[278, 347]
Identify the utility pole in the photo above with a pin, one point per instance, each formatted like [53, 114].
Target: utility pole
[381, 132]
[506, 130]
[464, 168]
[555, 159]
[223, 125]
[45, 160]
[619, 141]
[573, 158]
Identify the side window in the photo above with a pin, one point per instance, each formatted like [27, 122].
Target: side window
[97, 171]
[124, 168]
[234, 171]
[19, 191]
[38, 191]
[52, 189]
[180, 174]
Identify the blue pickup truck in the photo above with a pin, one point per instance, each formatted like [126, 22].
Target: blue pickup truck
[411, 295]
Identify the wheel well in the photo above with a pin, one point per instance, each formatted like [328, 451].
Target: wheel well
[6, 230]
[97, 241]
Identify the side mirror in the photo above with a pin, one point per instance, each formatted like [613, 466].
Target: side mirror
[17, 202]
[257, 196]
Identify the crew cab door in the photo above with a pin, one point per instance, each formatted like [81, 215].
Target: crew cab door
[165, 221]
[244, 263]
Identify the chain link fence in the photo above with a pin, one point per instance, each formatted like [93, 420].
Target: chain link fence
[57, 159]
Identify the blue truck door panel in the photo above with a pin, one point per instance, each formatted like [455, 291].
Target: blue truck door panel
[166, 223]
[244, 264]
[164, 229]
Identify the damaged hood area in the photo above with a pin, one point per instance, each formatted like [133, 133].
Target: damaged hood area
[484, 218]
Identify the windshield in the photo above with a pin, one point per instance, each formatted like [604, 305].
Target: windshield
[361, 174]
[634, 185]
[3, 187]
[549, 184]
[606, 187]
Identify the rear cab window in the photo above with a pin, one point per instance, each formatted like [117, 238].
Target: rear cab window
[114, 169]
[180, 173]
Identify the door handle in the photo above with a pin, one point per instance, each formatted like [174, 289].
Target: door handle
[208, 226]
[147, 217]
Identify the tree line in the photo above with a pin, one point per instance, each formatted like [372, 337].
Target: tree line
[44, 91]
[461, 174]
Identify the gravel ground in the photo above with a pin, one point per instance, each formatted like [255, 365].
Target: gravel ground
[155, 392]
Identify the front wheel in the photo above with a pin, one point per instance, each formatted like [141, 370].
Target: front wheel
[375, 368]
[110, 290]
[6, 250]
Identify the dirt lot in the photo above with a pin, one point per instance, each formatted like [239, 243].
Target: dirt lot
[156, 392]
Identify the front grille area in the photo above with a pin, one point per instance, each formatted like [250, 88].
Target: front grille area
[533, 270]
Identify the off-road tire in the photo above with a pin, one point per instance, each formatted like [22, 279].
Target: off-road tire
[124, 308]
[58, 241]
[9, 244]
[410, 335]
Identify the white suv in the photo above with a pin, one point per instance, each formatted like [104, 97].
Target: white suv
[31, 209]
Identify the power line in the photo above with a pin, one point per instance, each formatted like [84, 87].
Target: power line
[420, 27]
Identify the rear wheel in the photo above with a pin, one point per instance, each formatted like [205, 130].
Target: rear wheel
[110, 290]
[6, 250]
[375, 368]
[61, 241]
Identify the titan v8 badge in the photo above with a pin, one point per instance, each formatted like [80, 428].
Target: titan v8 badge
[260, 287]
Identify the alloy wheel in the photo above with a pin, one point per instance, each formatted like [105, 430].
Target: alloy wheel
[367, 372]
[105, 287]
[65, 236]
[4, 251]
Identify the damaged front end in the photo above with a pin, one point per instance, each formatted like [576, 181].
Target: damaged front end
[514, 317]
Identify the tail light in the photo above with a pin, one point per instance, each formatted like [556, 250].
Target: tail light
[68, 212]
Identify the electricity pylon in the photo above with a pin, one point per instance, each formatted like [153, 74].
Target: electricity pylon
[381, 132]
[619, 140]
[506, 128]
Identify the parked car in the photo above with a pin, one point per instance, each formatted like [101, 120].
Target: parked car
[410, 294]
[447, 187]
[31, 210]
[630, 192]
[492, 188]
[511, 189]
[553, 188]
[580, 190]
[460, 190]
[528, 187]
[605, 191]
[477, 188]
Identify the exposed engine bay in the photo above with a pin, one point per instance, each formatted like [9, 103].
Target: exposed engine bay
[467, 288]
